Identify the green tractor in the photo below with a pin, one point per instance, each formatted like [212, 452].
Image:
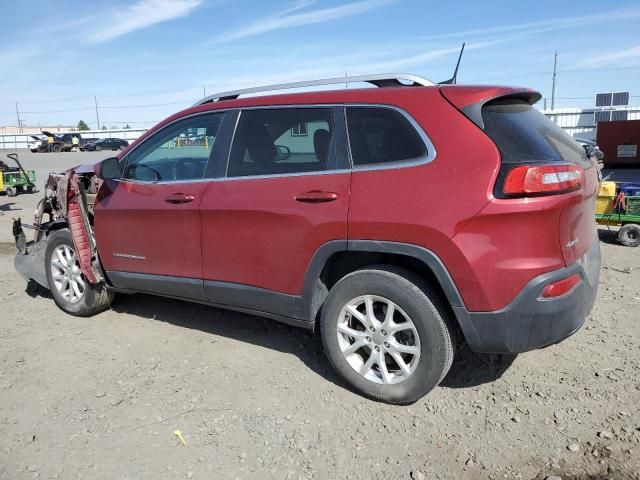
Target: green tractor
[15, 180]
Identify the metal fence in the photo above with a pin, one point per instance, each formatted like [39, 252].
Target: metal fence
[582, 123]
[18, 141]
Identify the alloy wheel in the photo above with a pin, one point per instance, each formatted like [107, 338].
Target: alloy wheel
[378, 339]
[67, 276]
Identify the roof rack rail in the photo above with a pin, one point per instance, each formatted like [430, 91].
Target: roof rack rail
[379, 80]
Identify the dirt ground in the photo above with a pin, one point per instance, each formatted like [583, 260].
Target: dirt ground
[103, 397]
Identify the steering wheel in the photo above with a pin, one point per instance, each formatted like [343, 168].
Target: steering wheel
[185, 169]
[155, 172]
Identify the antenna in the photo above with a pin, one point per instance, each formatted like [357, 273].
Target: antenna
[453, 79]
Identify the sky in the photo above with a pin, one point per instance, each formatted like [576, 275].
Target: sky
[143, 60]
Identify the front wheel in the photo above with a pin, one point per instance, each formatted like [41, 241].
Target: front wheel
[70, 290]
[97, 148]
[386, 335]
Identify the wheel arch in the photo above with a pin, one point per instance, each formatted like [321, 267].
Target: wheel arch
[335, 259]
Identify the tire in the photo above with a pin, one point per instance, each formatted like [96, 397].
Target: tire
[629, 235]
[93, 298]
[429, 335]
[57, 147]
[98, 148]
[11, 191]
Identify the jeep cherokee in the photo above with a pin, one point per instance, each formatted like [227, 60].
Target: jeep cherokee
[384, 218]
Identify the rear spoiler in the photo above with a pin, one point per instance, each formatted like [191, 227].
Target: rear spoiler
[470, 99]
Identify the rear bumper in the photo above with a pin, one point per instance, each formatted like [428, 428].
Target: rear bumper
[529, 323]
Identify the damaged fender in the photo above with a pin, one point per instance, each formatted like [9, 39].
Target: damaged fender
[68, 202]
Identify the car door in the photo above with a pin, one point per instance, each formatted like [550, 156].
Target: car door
[147, 223]
[286, 193]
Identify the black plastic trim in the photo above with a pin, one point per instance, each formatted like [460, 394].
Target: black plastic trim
[426, 256]
[304, 307]
[249, 297]
[177, 287]
[530, 322]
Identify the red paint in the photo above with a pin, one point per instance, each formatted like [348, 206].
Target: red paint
[254, 231]
[136, 219]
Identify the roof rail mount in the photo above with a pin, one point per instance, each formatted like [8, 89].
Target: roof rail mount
[379, 80]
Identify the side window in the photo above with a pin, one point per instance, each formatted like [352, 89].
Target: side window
[280, 141]
[382, 135]
[178, 152]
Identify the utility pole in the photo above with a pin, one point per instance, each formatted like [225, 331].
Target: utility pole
[18, 115]
[553, 84]
[204, 91]
[95, 100]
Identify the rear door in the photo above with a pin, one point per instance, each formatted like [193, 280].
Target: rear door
[147, 224]
[286, 193]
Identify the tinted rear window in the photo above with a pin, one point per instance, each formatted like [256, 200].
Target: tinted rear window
[382, 135]
[524, 135]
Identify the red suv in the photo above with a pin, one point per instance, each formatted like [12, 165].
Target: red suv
[386, 218]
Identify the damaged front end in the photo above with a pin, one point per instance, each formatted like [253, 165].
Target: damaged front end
[68, 203]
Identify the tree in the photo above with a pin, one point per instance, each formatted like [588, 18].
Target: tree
[104, 127]
[82, 125]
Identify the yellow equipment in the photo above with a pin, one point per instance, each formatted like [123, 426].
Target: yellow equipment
[606, 197]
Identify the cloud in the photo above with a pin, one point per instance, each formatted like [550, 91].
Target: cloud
[294, 17]
[615, 56]
[547, 25]
[141, 14]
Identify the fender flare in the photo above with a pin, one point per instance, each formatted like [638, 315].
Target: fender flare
[304, 304]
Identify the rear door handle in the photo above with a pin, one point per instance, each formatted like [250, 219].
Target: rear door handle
[316, 196]
[180, 198]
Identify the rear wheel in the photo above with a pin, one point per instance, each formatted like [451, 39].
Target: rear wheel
[57, 147]
[70, 290]
[11, 191]
[629, 235]
[385, 334]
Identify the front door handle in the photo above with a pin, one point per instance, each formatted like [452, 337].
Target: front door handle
[316, 196]
[180, 198]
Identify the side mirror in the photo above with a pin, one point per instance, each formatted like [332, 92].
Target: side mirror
[109, 169]
[283, 153]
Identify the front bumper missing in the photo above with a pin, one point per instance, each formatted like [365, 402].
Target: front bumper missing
[31, 266]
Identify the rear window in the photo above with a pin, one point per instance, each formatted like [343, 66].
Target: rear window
[524, 135]
[382, 135]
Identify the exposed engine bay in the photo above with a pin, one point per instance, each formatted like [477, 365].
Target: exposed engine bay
[68, 202]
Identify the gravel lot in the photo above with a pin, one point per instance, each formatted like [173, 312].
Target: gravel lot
[102, 397]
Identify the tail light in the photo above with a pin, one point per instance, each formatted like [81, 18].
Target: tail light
[536, 180]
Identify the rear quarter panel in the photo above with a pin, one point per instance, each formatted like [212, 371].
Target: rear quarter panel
[427, 204]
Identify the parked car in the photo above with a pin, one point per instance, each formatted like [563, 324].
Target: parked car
[107, 144]
[384, 219]
[39, 144]
[62, 142]
[590, 148]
